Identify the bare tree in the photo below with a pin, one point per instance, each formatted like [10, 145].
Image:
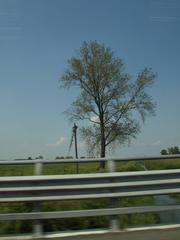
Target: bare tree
[109, 99]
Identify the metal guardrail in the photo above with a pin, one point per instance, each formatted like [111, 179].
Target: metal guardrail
[112, 185]
[88, 186]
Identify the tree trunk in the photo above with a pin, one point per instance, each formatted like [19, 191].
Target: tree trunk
[103, 146]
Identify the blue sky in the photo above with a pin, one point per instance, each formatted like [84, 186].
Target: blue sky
[37, 37]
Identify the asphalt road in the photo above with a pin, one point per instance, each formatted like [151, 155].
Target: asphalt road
[158, 234]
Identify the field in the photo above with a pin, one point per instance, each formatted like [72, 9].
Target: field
[81, 223]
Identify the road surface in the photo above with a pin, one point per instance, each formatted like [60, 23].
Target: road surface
[156, 234]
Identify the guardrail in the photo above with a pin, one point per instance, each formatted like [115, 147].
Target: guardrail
[112, 185]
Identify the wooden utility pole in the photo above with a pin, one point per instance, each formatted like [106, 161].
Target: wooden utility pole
[75, 144]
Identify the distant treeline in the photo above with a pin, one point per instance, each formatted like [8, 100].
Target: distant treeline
[171, 150]
[56, 158]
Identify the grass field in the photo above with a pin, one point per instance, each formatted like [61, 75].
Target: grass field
[61, 168]
[81, 223]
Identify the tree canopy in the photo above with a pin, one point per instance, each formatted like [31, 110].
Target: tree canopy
[109, 99]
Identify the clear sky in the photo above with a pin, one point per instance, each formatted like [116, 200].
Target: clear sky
[37, 37]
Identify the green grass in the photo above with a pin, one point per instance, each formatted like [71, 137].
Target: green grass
[162, 164]
[57, 169]
[61, 168]
[16, 170]
[48, 169]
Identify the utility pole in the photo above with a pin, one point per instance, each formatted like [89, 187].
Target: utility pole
[75, 144]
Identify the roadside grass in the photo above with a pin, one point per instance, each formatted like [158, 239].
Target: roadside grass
[66, 168]
[16, 170]
[162, 164]
[177, 196]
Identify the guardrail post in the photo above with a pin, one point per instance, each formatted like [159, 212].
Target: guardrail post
[111, 166]
[38, 168]
[114, 226]
[37, 224]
